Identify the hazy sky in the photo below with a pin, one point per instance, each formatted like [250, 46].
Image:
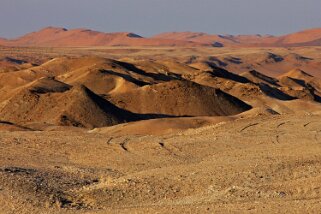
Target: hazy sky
[148, 17]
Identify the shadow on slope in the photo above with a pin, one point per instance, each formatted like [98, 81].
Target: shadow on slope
[274, 92]
[74, 106]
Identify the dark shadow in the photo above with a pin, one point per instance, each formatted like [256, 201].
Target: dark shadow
[265, 78]
[312, 90]
[274, 92]
[228, 109]
[298, 81]
[222, 73]
[125, 76]
[16, 61]
[13, 170]
[13, 124]
[6, 122]
[157, 77]
[217, 45]
[215, 62]
[299, 57]
[274, 57]
[317, 98]
[234, 60]
[191, 59]
[122, 114]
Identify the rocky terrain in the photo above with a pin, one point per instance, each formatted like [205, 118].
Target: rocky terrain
[159, 129]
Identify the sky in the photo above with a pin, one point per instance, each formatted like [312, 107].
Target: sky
[149, 17]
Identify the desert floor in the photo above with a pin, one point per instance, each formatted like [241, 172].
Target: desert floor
[259, 165]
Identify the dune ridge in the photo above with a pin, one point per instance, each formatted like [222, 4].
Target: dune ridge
[62, 37]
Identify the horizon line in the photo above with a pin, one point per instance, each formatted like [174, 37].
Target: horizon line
[185, 31]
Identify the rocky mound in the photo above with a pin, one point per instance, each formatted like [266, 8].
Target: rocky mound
[100, 75]
[299, 92]
[102, 81]
[179, 98]
[51, 102]
[301, 84]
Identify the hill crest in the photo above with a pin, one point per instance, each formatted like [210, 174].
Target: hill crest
[82, 37]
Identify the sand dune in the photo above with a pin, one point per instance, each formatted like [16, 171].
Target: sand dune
[310, 37]
[2, 41]
[61, 37]
[307, 37]
[222, 40]
[196, 37]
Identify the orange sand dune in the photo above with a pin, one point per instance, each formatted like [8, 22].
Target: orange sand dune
[2, 41]
[308, 37]
[61, 37]
[217, 40]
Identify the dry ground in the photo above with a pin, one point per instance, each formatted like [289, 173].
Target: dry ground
[255, 165]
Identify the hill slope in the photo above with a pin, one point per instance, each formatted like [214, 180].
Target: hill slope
[307, 37]
[180, 98]
[61, 37]
[49, 101]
